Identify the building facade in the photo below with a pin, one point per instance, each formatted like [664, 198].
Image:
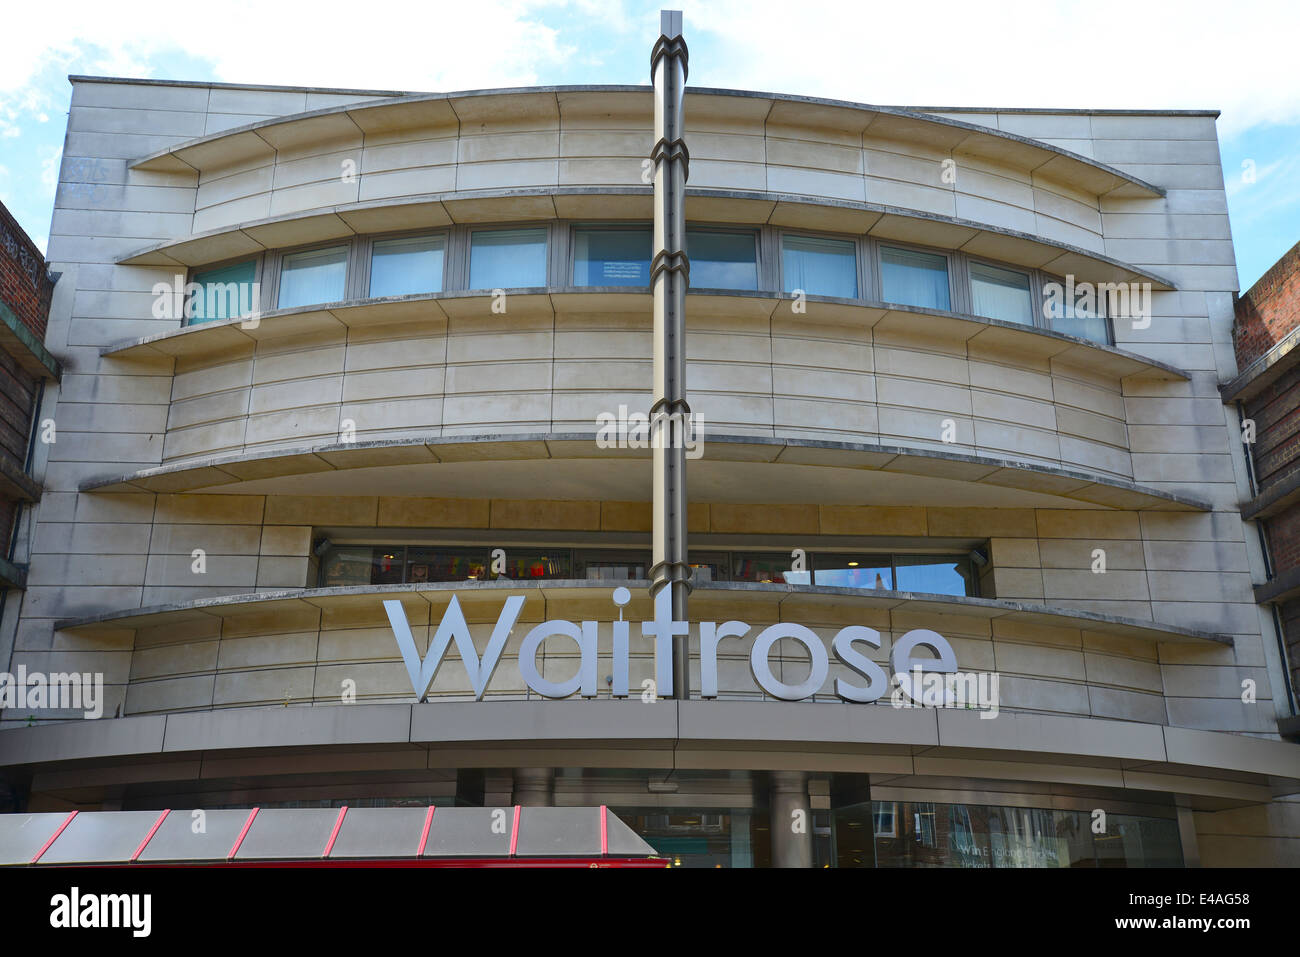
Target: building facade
[954, 385]
[26, 287]
[1267, 399]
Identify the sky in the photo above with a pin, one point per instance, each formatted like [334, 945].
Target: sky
[1101, 54]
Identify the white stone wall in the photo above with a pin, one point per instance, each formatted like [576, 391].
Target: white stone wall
[552, 369]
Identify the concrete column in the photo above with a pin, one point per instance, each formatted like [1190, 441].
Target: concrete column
[533, 787]
[791, 824]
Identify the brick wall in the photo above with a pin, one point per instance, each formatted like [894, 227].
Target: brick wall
[1276, 413]
[25, 286]
[1264, 316]
[26, 289]
[1269, 309]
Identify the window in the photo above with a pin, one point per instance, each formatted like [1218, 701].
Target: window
[507, 258]
[611, 257]
[722, 260]
[883, 815]
[1001, 294]
[914, 278]
[822, 267]
[935, 574]
[530, 564]
[405, 267]
[424, 564]
[613, 566]
[227, 292]
[854, 571]
[766, 567]
[709, 567]
[386, 566]
[1085, 317]
[314, 276]
[398, 564]
[383, 564]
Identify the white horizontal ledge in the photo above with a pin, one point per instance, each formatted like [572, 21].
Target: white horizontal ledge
[224, 473]
[216, 338]
[551, 104]
[479, 597]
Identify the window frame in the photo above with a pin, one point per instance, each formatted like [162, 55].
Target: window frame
[1035, 292]
[192, 271]
[579, 553]
[733, 230]
[560, 236]
[275, 261]
[466, 236]
[860, 276]
[1103, 309]
[950, 257]
[368, 255]
[571, 250]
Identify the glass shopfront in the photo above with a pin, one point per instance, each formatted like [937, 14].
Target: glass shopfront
[925, 834]
[723, 818]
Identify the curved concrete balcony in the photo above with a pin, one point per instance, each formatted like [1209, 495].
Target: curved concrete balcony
[888, 610]
[1219, 769]
[567, 106]
[449, 365]
[1017, 247]
[507, 153]
[1009, 340]
[734, 468]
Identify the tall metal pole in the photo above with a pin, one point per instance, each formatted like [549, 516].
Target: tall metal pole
[669, 277]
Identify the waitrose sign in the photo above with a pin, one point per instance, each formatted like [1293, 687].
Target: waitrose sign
[849, 646]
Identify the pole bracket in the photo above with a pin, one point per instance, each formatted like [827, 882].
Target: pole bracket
[676, 572]
[670, 47]
[665, 261]
[670, 150]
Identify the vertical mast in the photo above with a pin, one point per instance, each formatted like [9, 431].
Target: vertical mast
[669, 276]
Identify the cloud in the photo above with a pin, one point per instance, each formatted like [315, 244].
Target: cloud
[1276, 189]
[380, 44]
[50, 168]
[1198, 54]
[1116, 54]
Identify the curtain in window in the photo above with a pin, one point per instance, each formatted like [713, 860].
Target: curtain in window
[821, 267]
[914, 278]
[1001, 294]
[507, 259]
[313, 276]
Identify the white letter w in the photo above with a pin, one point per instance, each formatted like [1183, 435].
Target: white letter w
[453, 625]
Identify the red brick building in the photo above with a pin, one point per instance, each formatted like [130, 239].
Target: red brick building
[26, 288]
[1266, 393]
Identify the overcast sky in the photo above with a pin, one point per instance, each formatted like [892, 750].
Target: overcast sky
[1239, 58]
